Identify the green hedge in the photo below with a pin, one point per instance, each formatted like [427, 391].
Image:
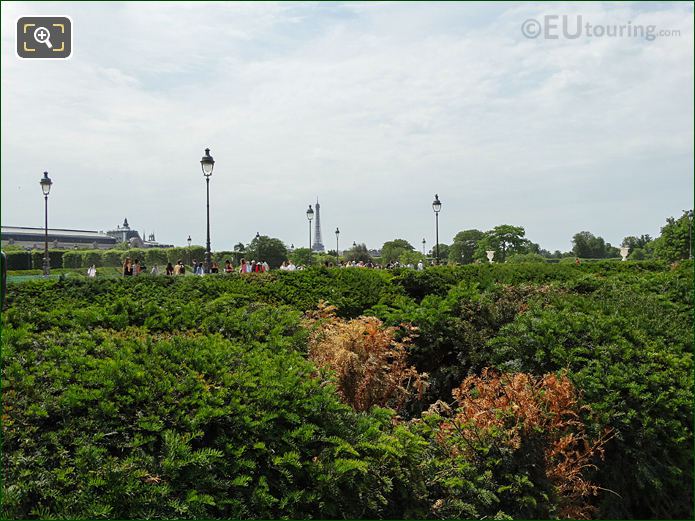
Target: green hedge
[18, 260]
[191, 396]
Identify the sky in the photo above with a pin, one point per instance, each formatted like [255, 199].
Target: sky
[372, 107]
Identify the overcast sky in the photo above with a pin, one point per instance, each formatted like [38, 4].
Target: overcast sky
[372, 107]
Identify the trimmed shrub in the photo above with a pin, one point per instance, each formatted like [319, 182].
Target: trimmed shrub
[18, 260]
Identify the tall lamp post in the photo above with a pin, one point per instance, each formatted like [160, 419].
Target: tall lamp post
[423, 245]
[46, 189]
[310, 217]
[436, 206]
[337, 255]
[689, 213]
[207, 163]
[189, 249]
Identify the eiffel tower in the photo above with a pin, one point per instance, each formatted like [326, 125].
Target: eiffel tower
[318, 244]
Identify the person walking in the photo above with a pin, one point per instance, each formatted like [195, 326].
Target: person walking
[136, 267]
[169, 269]
[228, 268]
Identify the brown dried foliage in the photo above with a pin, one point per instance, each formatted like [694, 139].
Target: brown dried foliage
[519, 405]
[369, 363]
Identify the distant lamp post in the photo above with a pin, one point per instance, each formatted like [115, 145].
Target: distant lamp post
[490, 255]
[689, 213]
[310, 217]
[437, 207]
[189, 249]
[207, 163]
[337, 251]
[46, 184]
[423, 245]
[258, 235]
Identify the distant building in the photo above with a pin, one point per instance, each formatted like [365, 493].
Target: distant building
[64, 239]
[123, 233]
[58, 238]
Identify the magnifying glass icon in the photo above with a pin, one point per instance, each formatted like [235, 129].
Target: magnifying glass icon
[43, 35]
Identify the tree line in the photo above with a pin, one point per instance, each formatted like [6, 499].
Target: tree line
[509, 243]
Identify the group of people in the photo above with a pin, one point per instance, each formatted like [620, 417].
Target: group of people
[133, 268]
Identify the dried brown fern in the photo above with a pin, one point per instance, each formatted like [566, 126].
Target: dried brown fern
[519, 404]
[370, 365]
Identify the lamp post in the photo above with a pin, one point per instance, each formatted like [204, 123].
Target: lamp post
[207, 163]
[189, 249]
[436, 206]
[46, 189]
[423, 245]
[337, 255]
[689, 213]
[310, 217]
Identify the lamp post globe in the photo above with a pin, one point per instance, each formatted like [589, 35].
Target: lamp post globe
[310, 217]
[189, 249]
[437, 207]
[207, 164]
[46, 184]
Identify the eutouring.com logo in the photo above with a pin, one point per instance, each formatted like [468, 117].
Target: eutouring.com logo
[555, 27]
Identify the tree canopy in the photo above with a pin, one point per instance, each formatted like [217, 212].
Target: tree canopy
[357, 253]
[391, 251]
[464, 245]
[268, 249]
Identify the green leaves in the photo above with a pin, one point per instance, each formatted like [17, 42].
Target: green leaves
[192, 397]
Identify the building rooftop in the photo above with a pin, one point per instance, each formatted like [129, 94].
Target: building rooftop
[25, 230]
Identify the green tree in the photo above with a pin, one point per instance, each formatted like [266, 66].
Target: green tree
[504, 239]
[302, 257]
[357, 253]
[588, 246]
[674, 242]
[464, 245]
[411, 257]
[633, 242]
[268, 249]
[518, 258]
[443, 252]
[391, 251]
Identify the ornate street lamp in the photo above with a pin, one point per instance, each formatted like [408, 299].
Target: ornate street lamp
[207, 163]
[46, 184]
[437, 206]
[337, 256]
[310, 217]
[423, 245]
[189, 249]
